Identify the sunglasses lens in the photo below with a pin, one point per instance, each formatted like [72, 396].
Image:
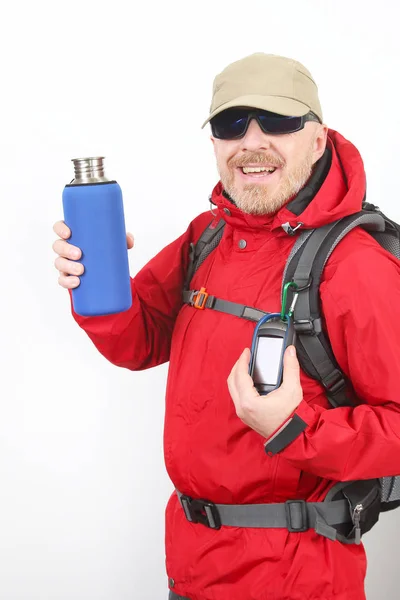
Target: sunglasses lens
[229, 124]
[279, 124]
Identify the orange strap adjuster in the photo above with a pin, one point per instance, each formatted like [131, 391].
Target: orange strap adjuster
[200, 299]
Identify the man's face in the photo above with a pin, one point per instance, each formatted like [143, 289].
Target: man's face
[291, 156]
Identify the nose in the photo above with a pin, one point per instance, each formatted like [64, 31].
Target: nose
[255, 138]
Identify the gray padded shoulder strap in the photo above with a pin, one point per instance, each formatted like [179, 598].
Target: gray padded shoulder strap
[311, 256]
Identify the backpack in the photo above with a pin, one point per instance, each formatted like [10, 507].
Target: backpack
[367, 498]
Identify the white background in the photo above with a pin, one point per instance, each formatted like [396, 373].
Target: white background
[82, 479]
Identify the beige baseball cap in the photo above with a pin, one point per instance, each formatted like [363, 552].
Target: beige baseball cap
[267, 81]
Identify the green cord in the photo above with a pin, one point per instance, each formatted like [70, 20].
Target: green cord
[284, 299]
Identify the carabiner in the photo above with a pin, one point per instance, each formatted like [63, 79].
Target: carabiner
[284, 300]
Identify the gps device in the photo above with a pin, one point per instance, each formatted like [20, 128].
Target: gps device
[270, 340]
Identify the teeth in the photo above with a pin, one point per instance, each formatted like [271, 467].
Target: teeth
[258, 169]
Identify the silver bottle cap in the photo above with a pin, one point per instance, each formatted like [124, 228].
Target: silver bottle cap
[89, 170]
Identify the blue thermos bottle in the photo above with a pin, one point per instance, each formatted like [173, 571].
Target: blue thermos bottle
[93, 210]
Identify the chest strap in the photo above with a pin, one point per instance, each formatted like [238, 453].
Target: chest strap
[294, 515]
[200, 299]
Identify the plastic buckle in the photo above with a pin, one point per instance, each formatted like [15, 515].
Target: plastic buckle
[334, 382]
[200, 298]
[336, 387]
[303, 512]
[201, 511]
[304, 326]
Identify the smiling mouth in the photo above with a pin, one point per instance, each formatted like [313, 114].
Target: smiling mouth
[257, 172]
[248, 170]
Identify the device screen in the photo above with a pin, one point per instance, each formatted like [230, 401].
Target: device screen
[266, 368]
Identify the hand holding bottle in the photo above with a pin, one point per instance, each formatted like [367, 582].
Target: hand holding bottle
[68, 256]
[95, 223]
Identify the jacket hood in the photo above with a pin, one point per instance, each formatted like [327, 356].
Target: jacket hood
[335, 189]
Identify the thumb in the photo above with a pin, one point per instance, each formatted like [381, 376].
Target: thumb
[245, 357]
[291, 368]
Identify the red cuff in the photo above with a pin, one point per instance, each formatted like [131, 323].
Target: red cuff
[305, 412]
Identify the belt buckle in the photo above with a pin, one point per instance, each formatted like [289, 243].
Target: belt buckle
[304, 517]
[201, 511]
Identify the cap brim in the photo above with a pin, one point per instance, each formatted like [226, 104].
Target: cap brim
[277, 104]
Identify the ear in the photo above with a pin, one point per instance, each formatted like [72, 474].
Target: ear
[212, 139]
[320, 142]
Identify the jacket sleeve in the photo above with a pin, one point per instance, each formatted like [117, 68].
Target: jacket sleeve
[360, 301]
[140, 337]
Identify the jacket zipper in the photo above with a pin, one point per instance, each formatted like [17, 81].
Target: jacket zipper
[356, 520]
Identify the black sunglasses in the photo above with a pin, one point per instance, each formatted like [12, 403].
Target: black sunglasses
[232, 123]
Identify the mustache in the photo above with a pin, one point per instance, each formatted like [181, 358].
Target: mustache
[256, 158]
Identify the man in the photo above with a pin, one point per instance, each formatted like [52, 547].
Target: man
[281, 171]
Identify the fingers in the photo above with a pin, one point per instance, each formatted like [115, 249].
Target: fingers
[244, 383]
[67, 255]
[239, 381]
[68, 267]
[66, 250]
[62, 230]
[68, 281]
[130, 240]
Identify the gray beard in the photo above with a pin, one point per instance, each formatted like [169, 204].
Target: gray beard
[255, 199]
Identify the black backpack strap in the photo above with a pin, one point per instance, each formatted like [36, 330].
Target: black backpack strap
[305, 267]
[200, 299]
[198, 252]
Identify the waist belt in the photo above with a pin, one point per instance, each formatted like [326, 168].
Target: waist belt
[294, 515]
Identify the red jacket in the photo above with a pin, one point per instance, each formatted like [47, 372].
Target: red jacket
[209, 452]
